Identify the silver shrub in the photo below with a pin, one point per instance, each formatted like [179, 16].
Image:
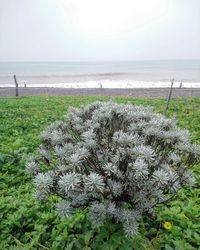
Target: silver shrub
[120, 161]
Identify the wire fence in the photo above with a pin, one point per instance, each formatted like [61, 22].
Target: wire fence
[45, 85]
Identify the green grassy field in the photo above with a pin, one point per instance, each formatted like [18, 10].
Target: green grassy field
[27, 224]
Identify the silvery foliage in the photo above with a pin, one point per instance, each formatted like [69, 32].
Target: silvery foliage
[118, 160]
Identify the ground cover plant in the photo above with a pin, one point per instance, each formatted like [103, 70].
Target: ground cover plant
[27, 224]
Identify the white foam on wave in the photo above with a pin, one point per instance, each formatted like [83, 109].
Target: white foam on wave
[107, 84]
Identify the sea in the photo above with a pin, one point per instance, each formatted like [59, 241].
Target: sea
[118, 74]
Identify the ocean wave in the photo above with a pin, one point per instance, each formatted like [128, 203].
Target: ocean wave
[107, 84]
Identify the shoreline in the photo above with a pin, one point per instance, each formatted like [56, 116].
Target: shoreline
[143, 92]
[90, 84]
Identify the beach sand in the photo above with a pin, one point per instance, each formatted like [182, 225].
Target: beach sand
[147, 92]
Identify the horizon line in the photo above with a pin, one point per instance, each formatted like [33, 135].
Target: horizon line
[98, 61]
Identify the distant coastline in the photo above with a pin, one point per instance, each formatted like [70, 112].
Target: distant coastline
[127, 74]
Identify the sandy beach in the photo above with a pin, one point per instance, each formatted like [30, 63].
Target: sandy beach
[147, 92]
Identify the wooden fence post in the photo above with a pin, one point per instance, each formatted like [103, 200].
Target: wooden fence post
[16, 86]
[169, 97]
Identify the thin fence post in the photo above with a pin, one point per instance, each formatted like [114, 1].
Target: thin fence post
[169, 97]
[16, 86]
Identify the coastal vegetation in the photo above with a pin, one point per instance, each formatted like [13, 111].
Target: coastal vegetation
[29, 224]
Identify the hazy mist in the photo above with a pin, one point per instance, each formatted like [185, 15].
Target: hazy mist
[93, 30]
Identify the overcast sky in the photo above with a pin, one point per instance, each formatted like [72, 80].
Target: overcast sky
[99, 30]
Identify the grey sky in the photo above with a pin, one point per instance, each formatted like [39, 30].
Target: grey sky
[87, 30]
